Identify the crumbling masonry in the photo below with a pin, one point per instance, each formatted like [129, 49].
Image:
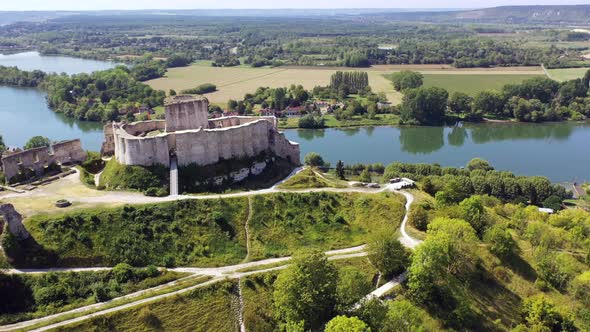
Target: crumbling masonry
[38, 159]
[188, 135]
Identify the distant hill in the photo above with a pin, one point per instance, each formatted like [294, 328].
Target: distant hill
[578, 14]
[554, 15]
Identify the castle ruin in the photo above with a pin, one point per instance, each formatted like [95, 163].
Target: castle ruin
[37, 160]
[190, 137]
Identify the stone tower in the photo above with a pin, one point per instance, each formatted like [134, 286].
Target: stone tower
[186, 112]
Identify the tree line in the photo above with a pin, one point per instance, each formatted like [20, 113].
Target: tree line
[534, 100]
[350, 82]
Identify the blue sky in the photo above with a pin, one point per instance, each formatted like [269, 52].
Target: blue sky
[198, 4]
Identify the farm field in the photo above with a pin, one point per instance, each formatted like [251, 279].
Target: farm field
[567, 73]
[234, 82]
[472, 84]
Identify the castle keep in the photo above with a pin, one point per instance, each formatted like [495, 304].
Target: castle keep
[189, 136]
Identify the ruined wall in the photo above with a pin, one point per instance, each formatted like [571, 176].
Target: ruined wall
[68, 152]
[108, 144]
[208, 146]
[145, 151]
[144, 127]
[286, 149]
[231, 121]
[205, 146]
[186, 112]
[38, 158]
[194, 139]
[12, 221]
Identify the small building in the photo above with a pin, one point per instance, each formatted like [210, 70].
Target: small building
[293, 112]
[546, 210]
[268, 112]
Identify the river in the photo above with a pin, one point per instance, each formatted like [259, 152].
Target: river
[24, 112]
[560, 151]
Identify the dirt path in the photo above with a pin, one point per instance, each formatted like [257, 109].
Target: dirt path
[246, 226]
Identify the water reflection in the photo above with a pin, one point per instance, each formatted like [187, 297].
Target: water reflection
[417, 140]
[350, 131]
[369, 131]
[483, 133]
[457, 136]
[310, 134]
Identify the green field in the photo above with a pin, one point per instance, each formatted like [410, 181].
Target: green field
[207, 232]
[567, 73]
[203, 309]
[235, 82]
[356, 121]
[473, 83]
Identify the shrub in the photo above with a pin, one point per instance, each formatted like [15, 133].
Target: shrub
[553, 202]
[201, 89]
[478, 163]
[346, 324]
[352, 287]
[123, 272]
[156, 192]
[580, 288]
[311, 122]
[387, 254]
[500, 241]
[418, 218]
[314, 159]
[541, 313]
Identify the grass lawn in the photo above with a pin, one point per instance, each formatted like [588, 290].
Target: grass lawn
[356, 121]
[284, 223]
[203, 309]
[566, 74]
[472, 84]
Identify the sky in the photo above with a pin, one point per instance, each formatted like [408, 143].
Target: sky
[264, 4]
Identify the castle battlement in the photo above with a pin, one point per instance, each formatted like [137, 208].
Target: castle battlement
[192, 138]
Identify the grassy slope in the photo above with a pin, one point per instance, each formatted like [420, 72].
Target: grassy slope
[310, 179]
[283, 223]
[497, 294]
[80, 286]
[208, 232]
[472, 84]
[207, 309]
[203, 232]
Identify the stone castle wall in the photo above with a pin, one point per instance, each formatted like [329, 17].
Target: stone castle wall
[37, 159]
[108, 145]
[192, 138]
[186, 112]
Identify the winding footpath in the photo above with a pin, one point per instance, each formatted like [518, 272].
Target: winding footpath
[214, 273]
